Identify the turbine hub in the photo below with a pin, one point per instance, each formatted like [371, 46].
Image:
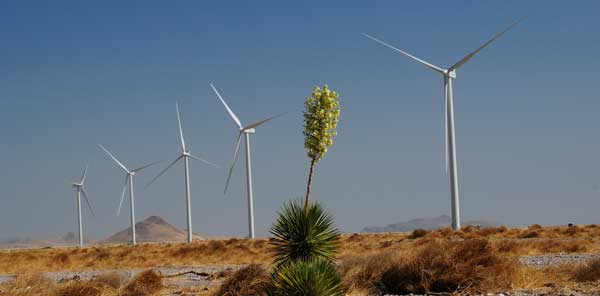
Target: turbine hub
[131, 173]
[451, 74]
[185, 153]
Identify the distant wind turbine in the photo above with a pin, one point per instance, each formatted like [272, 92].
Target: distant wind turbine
[128, 179]
[185, 155]
[81, 190]
[246, 130]
[449, 75]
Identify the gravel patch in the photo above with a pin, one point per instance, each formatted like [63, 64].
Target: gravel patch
[555, 259]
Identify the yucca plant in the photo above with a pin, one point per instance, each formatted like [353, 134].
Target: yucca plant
[307, 278]
[301, 233]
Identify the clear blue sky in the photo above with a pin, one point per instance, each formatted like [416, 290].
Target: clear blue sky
[73, 75]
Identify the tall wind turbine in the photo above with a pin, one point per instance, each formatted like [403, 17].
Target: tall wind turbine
[185, 155]
[246, 131]
[80, 189]
[128, 179]
[449, 75]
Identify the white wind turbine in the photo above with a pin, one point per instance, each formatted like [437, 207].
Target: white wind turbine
[81, 190]
[128, 179]
[449, 75]
[185, 155]
[246, 130]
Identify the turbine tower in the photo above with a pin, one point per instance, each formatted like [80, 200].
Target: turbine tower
[128, 179]
[80, 189]
[246, 131]
[449, 75]
[185, 155]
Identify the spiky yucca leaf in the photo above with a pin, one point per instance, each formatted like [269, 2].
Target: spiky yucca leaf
[307, 278]
[301, 234]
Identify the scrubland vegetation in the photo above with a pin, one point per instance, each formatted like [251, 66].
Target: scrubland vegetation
[443, 260]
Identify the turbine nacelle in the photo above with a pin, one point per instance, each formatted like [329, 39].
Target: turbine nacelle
[450, 74]
[248, 131]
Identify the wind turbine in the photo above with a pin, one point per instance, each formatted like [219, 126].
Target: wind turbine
[128, 179]
[185, 155]
[449, 75]
[80, 189]
[246, 130]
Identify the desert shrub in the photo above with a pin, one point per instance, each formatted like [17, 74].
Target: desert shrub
[529, 234]
[249, 281]
[535, 226]
[316, 277]
[29, 284]
[489, 231]
[303, 234]
[450, 266]
[588, 272]
[362, 273]
[62, 258]
[572, 231]
[79, 289]
[417, 233]
[145, 283]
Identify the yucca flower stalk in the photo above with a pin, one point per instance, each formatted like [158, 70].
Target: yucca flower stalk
[320, 123]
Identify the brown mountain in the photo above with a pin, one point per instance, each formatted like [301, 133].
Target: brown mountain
[151, 229]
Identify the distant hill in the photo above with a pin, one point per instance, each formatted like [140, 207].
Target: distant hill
[424, 223]
[151, 229]
[28, 243]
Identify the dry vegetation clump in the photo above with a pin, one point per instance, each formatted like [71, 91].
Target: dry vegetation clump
[37, 284]
[363, 273]
[249, 281]
[435, 266]
[79, 289]
[587, 272]
[417, 233]
[29, 284]
[450, 266]
[145, 283]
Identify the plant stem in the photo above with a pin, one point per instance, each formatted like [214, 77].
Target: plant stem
[310, 175]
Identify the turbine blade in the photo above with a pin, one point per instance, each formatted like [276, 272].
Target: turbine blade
[83, 175]
[123, 194]
[114, 158]
[432, 66]
[163, 171]
[475, 52]
[250, 126]
[237, 121]
[204, 161]
[145, 166]
[237, 147]
[180, 129]
[87, 200]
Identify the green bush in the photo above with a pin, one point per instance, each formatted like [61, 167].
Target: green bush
[303, 234]
[307, 278]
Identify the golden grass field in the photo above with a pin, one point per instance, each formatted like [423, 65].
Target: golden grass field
[486, 258]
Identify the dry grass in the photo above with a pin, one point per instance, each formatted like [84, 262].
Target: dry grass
[587, 272]
[435, 266]
[252, 280]
[111, 284]
[241, 251]
[147, 282]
